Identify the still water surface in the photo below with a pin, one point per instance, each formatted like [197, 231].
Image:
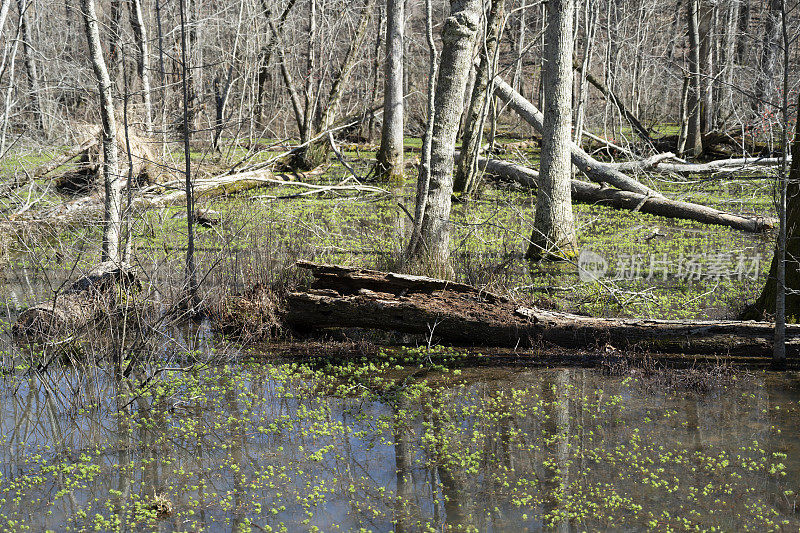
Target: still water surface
[278, 446]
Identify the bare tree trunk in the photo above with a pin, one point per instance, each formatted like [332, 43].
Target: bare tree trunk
[376, 63]
[706, 30]
[695, 135]
[765, 81]
[30, 64]
[554, 226]
[191, 273]
[8, 101]
[423, 180]
[114, 38]
[4, 8]
[729, 57]
[684, 117]
[458, 36]
[517, 82]
[475, 117]
[143, 60]
[390, 154]
[114, 184]
[266, 56]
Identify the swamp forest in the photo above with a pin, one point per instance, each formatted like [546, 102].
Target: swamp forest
[399, 265]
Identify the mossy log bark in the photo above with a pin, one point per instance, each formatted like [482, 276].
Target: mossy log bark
[87, 299]
[350, 297]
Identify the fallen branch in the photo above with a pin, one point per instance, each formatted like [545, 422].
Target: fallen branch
[589, 193]
[350, 297]
[595, 170]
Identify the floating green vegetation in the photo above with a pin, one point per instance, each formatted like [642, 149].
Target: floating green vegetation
[405, 441]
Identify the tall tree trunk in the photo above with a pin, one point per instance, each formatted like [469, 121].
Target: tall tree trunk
[143, 59]
[266, 56]
[390, 154]
[467, 171]
[766, 303]
[191, 273]
[423, 180]
[554, 227]
[458, 36]
[694, 137]
[729, 65]
[376, 63]
[30, 64]
[113, 182]
[706, 30]
[765, 81]
[4, 8]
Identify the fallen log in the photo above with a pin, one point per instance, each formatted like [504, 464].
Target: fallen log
[594, 169]
[720, 165]
[344, 297]
[86, 300]
[165, 195]
[590, 193]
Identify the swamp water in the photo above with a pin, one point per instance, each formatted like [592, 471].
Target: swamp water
[403, 444]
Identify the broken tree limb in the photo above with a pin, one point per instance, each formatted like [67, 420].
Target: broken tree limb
[720, 165]
[86, 300]
[595, 170]
[351, 297]
[590, 193]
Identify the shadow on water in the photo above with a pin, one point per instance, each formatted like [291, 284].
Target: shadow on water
[268, 446]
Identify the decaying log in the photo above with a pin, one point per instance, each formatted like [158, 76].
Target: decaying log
[350, 297]
[86, 300]
[590, 193]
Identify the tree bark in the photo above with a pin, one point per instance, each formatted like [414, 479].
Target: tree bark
[30, 64]
[143, 59]
[554, 227]
[767, 300]
[475, 117]
[458, 36]
[345, 297]
[113, 182]
[694, 136]
[595, 170]
[390, 155]
[770, 51]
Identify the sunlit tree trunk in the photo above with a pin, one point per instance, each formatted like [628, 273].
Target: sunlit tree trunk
[554, 227]
[475, 117]
[143, 60]
[458, 37]
[113, 182]
[390, 155]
